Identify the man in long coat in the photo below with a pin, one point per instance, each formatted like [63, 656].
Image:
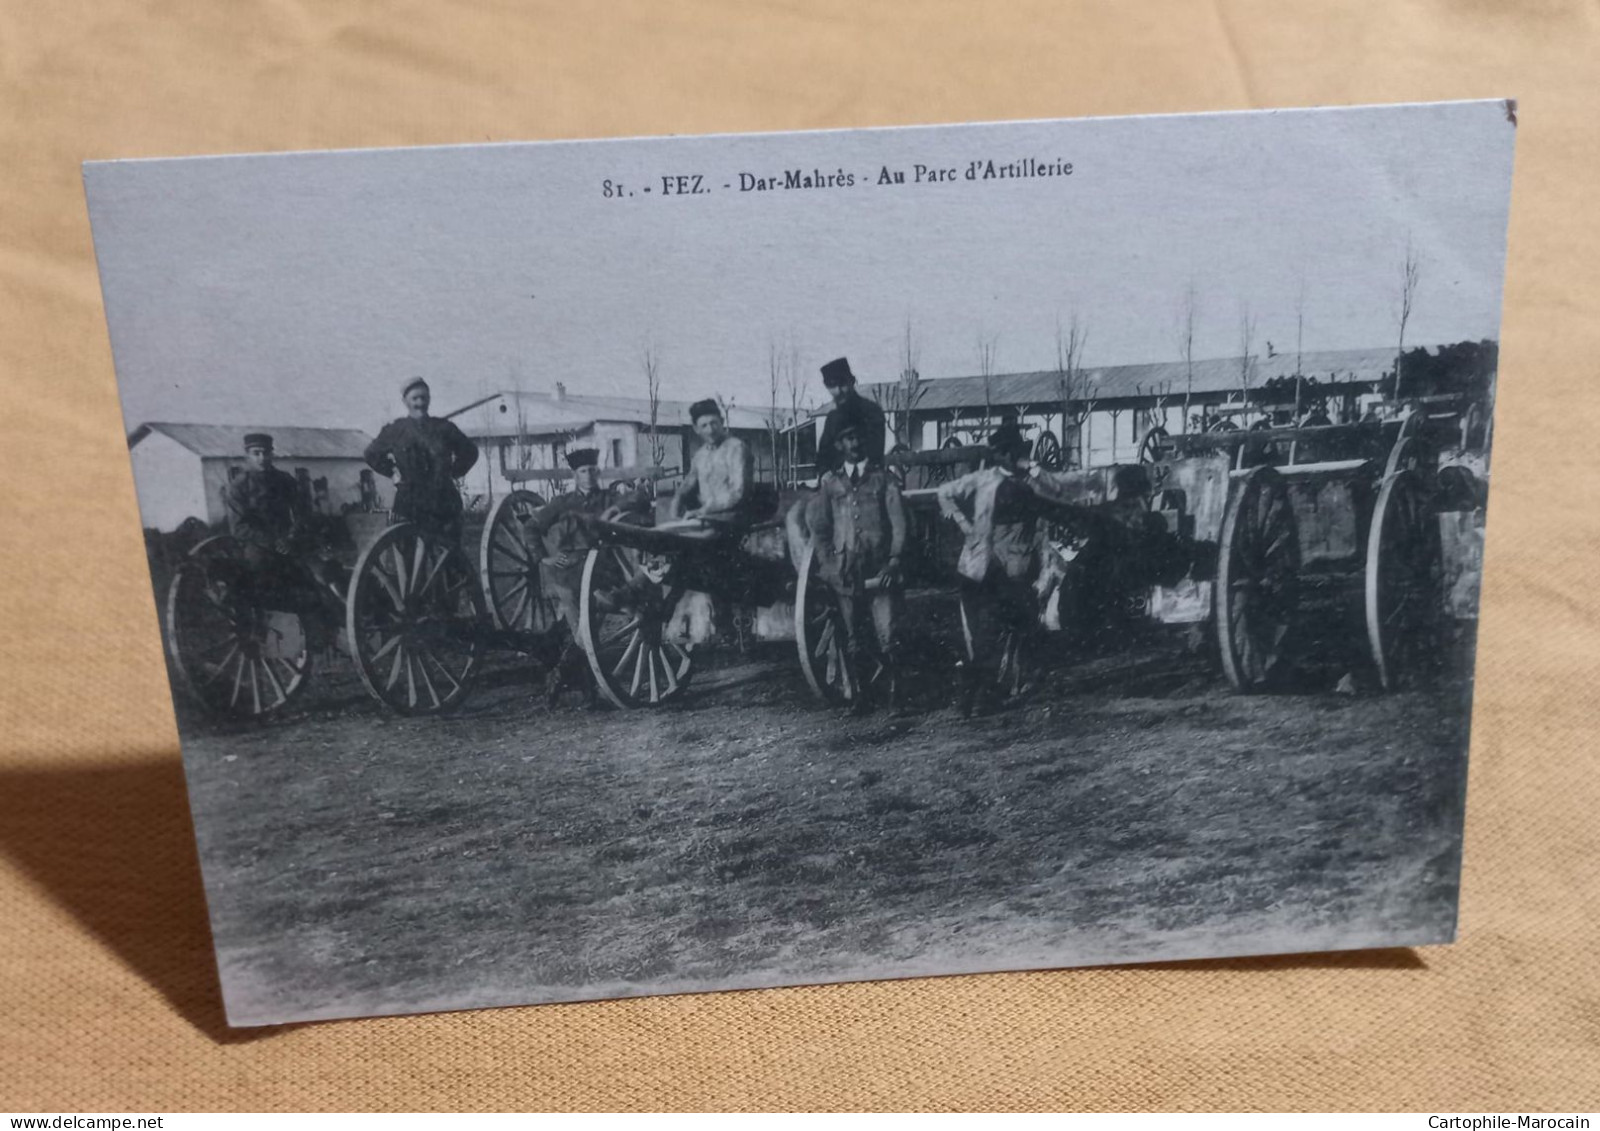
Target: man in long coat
[425, 456]
[849, 408]
[858, 528]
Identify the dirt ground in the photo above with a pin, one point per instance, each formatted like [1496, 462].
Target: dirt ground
[1131, 809]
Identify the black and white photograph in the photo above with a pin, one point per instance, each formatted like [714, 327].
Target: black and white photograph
[589, 569]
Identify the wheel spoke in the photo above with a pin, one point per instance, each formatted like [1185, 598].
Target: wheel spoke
[411, 682]
[272, 678]
[515, 619]
[389, 646]
[627, 654]
[422, 669]
[394, 669]
[455, 684]
[222, 664]
[638, 672]
[402, 582]
[508, 545]
[650, 663]
[609, 638]
[238, 682]
[666, 670]
[255, 688]
[438, 565]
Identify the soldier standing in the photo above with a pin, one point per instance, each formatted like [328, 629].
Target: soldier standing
[998, 509]
[858, 531]
[849, 407]
[424, 456]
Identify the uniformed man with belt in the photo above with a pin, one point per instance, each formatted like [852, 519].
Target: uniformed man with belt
[424, 456]
[268, 516]
[565, 541]
[858, 531]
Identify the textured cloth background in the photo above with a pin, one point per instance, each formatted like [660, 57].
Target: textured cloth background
[108, 996]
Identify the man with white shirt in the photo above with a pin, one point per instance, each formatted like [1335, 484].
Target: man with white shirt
[858, 528]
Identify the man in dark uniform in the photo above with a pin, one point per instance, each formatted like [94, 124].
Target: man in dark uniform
[849, 407]
[858, 527]
[267, 514]
[565, 541]
[424, 456]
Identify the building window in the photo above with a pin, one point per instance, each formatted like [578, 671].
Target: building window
[616, 453]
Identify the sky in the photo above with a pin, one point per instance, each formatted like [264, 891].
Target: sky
[302, 289]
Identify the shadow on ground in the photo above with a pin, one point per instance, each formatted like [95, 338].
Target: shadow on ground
[114, 845]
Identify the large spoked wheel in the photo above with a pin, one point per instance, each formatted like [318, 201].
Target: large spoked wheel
[232, 657]
[1156, 447]
[1005, 675]
[508, 563]
[1047, 451]
[414, 617]
[1257, 589]
[625, 609]
[818, 637]
[1404, 567]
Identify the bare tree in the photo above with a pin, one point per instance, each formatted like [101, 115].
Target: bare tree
[900, 399]
[1409, 273]
[1247, 347]
[1069, 374]
[775, 365]
[799, 403]
[652, 381]
[1299, 343]
[988, 350]
[1188, 314]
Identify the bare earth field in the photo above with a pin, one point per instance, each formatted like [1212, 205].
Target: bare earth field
[1132, 809]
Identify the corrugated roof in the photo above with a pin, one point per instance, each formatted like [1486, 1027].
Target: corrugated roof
[546, 414]
[213, 440]
[1113, 382]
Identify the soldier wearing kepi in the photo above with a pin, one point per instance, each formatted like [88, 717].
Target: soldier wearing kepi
[565, 541]
[849, 407]
[268, 515]
[858, 531]
[425, 456]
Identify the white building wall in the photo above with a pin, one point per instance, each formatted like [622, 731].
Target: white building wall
[168, 481]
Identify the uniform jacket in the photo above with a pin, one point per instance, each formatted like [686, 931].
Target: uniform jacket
[1004, 511]
[430, 454]
[856, 527]
[860, 411]
[265, 508]
[556, 525]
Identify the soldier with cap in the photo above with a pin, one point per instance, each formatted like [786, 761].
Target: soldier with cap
[718, 489]
[269, 516]
[998, 509]
[858, 531]
[425, 456]
[849, 407]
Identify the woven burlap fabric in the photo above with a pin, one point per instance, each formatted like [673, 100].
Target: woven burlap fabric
[108, 998]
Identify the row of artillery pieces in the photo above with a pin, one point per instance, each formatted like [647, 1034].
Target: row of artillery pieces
[1268, 545]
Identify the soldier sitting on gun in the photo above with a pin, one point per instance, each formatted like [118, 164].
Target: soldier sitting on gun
[565, 541]
[269, 516]
[858, 531]
[716, 493]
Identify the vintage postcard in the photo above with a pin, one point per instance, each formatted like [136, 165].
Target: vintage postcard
[590, 569]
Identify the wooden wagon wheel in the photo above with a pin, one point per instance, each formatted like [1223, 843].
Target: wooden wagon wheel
[508, 565]
[818, 637]
[1047, 451]
[625, 604]
[231, 657]
[1403, 578]
[1156, 447]
[1258, 567]
[1006, 676]
[414, 618]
